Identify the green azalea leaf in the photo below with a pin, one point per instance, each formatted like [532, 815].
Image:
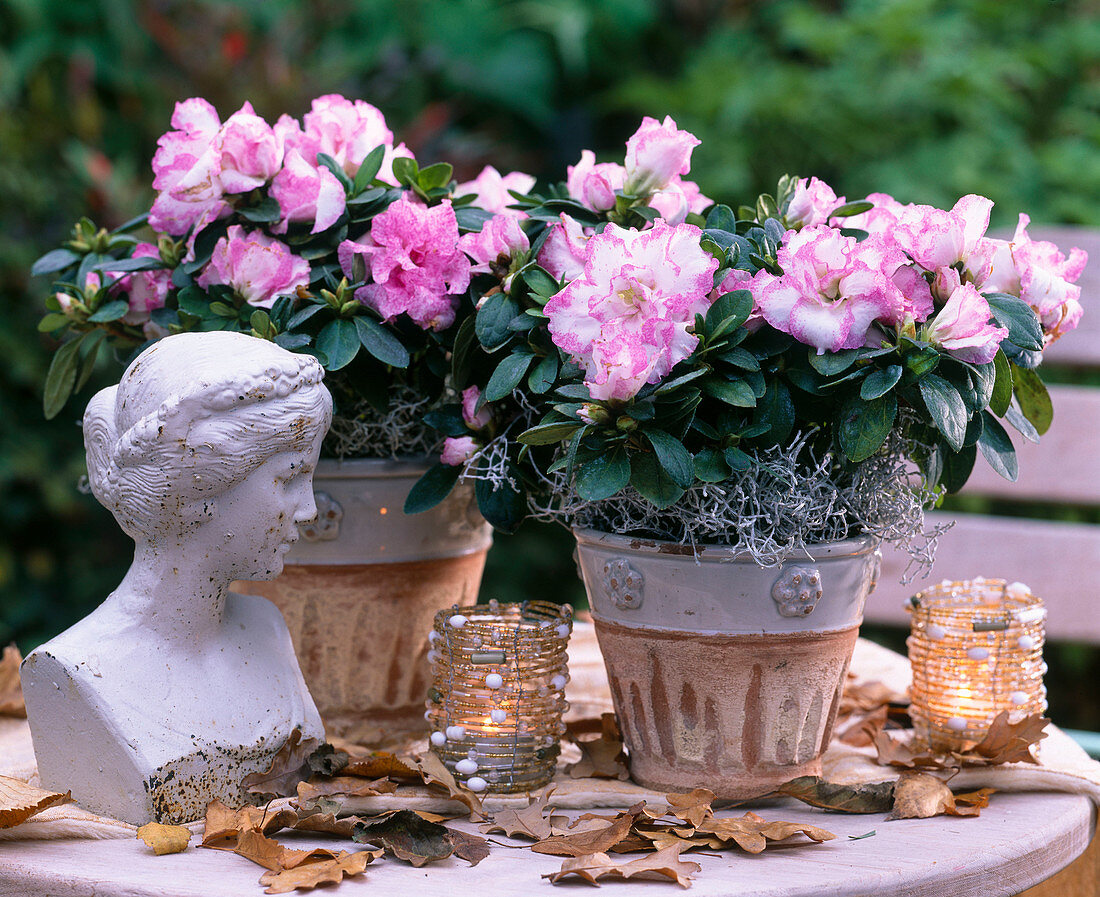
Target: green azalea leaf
[957, 467]
[61, 377]
[368, 169]
[503, 507]
[878, 383]
[448, 420]
[493, 318]
[984, 380]
[775, 410]
[543, 375]
[434, 176]
[111, 311]
[55, 260]
[337, 169]
[1011, 312]
[380, 342]
[672, 457]
[266, 212]
[548, 434]
[864, 425]
[1033, 397]
[91, 355]
[540, 281]
[300, 316]
[603, 476]
[711, 465]
[51, 322]
[1023, 426]
[405, 170]
[1002, 385]
[733, 392]
[471, 221]
[432, 488]
[507, 376]
[652, 481]
[339, 341]
[740, 358]
[721, 217]
[737, 459]
[292, 342]
[676, 382]
[851, 208]
[996, 448]
[728, 312]
[829, 364]
[946, 408]
[462, 356]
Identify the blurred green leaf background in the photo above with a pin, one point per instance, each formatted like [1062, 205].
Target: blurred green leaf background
[924, 99]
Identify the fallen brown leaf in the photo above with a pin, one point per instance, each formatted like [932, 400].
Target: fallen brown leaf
[223, 826]
[593, 841]
[471, 848]
[876, 797]
[289, 766]
[165, 839]
[971, 803]
[434, 772]
[310, 875]
[1011, 742]
[665, 863]
[345, 786]
[408, 837]
[269, 853]
[752, 833]
[20, 801]
[380, 765]
[692, 807]
[11, 692]
[920, 795]
[530, 822]
[859, 730]
[327, 760]
[603, 757]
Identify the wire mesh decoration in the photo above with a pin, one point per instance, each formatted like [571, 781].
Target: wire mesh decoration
[976, 648]
[498, 693]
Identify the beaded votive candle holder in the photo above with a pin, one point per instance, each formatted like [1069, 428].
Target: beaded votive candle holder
[976, 648]
[498, 692]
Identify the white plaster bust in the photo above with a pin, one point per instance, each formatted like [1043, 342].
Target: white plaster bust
[175, 688]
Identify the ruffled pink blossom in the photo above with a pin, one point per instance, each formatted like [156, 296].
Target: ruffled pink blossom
[498, 244]
[916, 295]
[676, 199]
[183, 156]
[962, 327]
[490, 189]
[628, 318]
[414, 262]
[937, 239]
[145, 290]
[812, 202]
[592, 183]
[832, 290]
[476, 419]
[1048, 279]
[249, 153]
[307, 193]
[256, 266]
[565, 249]
[655, 154]
[457, 450]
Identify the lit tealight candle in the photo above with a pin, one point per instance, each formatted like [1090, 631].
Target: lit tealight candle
[976, 650]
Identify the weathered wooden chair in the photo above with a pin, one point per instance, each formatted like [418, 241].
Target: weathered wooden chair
[1060, 560]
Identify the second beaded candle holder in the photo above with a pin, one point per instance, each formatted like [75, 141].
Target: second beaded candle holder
[498, 693]
[976, 648]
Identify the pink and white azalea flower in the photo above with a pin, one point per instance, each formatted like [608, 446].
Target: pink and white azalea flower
[593, 184]
[1048, 279]
[628, 318]
[257, 267]
[183, 156]
[565, 249]
[414, 262]
[962, 327]
[457, 450]
[832, 290]
[498, 244]
[936, 239]
[490, 189]
[475, 418]
[247, 150]
[655, 154]
[812, 202]
[145, 291]
[306, 192]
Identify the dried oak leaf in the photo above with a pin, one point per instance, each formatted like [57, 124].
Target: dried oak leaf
[919, 795]
[603, 757]
[971, 803]
[859, 730]
[752, 833]
[875, 797]
[269, 853]
[530, 822]
[324, 872]
[692, 807]
[20, 801]
[1007, 742]
[165, 839]
[327, 760]
[469, 847]
[289, 766]
[345, 786]
[904, 754]
[408, 837]
[326, 823]
[224, 826]
[665, 863]
[11, 692]
[595, 840]
[381, 765]
[434, 773]
[659, 837]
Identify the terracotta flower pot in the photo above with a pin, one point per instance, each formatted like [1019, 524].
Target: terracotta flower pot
[725, 675]
[361, 588]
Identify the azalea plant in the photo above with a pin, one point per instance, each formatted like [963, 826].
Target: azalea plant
[323, 235]
[803, 369]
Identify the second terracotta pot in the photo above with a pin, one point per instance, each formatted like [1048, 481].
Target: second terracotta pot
[360, 590]
[724, 675]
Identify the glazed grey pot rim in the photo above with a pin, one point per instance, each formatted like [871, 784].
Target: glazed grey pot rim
[720, 554]
[354, 468]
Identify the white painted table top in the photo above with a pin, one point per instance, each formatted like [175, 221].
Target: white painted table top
[1019, 840]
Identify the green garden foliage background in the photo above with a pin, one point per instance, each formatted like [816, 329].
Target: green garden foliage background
[923, 99]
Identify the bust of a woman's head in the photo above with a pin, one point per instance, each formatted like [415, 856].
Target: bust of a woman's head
[194, 418]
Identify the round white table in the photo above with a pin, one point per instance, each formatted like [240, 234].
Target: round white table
[1019, 840]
